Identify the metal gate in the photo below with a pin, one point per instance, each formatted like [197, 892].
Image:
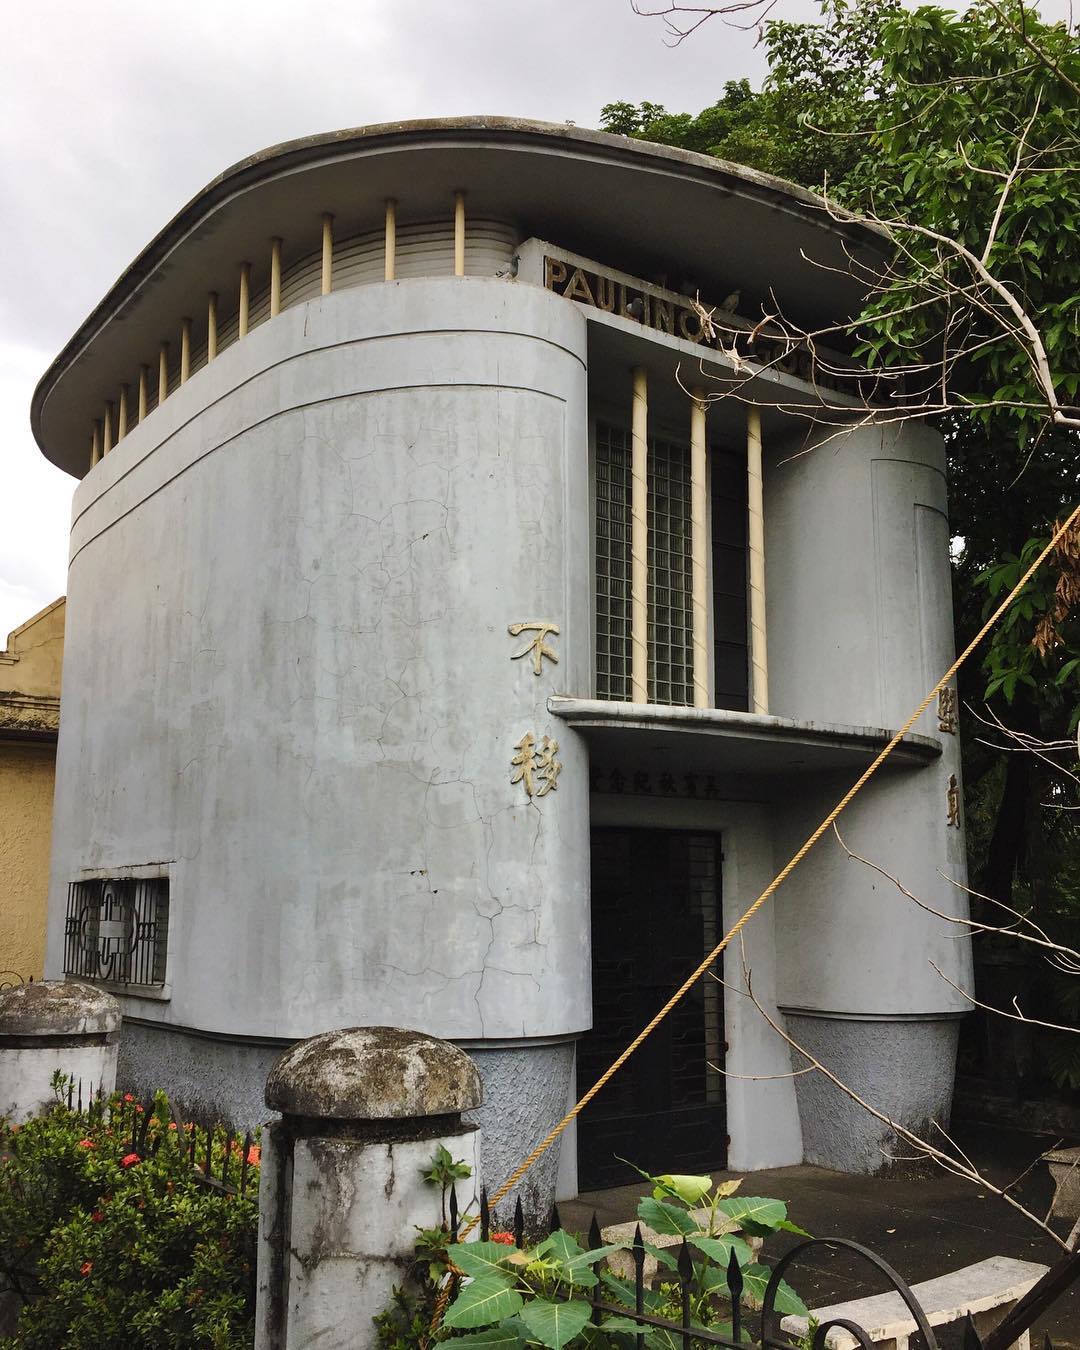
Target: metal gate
[655, 913]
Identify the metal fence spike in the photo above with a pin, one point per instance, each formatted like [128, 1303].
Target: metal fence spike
[519, 1224]
[972, 1340]
[485, 1216]
[556, 1222]
[453, 1213]
[596, 1238]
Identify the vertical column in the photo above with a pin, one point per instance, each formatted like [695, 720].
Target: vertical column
[459, 234]
[144, 391]
[122, 415]
[245, 300]
[639, 539]
[391, 238]
[327, 252]
[699, 548]
[95, 445]
[185, 350]
[163, 374]
[759, 655]
[211, 326]
[107, 431]
[275, 277]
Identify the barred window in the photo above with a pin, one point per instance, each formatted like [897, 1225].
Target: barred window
[117, 930]
[670, 628]
[670, 593]
[612, 562]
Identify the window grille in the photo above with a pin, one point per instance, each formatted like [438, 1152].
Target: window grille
[117, 930]
[612, 562]
[670, 627]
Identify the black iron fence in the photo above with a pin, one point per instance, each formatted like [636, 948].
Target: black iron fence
[755, 1324]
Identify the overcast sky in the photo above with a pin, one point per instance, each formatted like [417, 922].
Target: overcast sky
[117, 113]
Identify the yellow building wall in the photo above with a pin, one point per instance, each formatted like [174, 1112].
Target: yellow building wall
[26, 799]
[30, 668]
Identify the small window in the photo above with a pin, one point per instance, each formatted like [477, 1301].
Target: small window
[117, 930]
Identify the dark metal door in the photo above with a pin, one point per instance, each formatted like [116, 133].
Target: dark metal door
[655, 914]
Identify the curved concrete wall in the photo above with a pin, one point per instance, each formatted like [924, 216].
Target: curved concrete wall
[859, 630]
[288, 674]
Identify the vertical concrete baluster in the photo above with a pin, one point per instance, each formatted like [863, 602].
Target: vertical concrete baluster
[341, 1192]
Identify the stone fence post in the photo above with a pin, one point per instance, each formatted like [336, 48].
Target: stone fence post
[341, 1192]
[50, 1025]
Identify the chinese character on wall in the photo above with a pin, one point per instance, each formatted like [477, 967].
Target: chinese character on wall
[534, 765]
[538, 647]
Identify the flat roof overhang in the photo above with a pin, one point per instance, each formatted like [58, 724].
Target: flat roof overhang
[715, 741]
[627, 203]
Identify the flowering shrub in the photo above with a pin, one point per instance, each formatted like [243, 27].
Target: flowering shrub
[102, 1241]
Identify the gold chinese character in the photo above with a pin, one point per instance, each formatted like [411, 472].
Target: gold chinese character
[522, 763]
[535, 766]
[946, 710]
[547, 766]
[538, 647]
[952, 801]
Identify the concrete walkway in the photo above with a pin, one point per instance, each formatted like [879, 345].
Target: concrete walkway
[923, 1227]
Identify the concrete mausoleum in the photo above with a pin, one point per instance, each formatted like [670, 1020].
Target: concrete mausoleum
[463, 629]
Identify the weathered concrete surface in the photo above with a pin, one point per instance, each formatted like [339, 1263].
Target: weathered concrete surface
[54, 1025]
[373, 1073]
[905, 1068]
[353, 1212]
[526, 1089]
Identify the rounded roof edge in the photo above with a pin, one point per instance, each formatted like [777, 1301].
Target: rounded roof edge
[373, 1073]
[57, 1008]
[266, 163]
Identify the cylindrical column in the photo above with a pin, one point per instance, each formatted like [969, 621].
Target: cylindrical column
[185, 350]
[275, 277]
[55, 1025]
[459, 234]
[144, 391]
[347, 1158]
[107, 430]
[759, 655]
[639, 540]
[95, 445]
[122, 414]
[245, 300]
[327, 252]
[163, 374]
[699, 548]
[391, 238]
[211, 326]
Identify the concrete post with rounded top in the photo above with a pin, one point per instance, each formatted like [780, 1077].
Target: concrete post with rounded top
[342, 1190]
[51, 1025]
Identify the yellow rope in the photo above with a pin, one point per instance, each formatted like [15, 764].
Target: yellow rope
[777, 881]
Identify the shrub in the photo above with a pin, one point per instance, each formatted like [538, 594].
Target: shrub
[104, 1240]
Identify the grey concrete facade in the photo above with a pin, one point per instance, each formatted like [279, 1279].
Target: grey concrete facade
[290, 688]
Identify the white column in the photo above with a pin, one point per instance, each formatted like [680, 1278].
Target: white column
[759, 654]
[699, 548]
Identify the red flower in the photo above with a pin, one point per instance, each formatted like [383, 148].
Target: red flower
[86, 1143]
[172, 1124]
[97, 1216]
[130, 1160]
[86, 1268]
[254, 1155]
[507, 1239]
[128, 1097]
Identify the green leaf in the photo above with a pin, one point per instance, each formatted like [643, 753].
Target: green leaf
[719, 1249]
[690, 1190]
[554, 1323]
[767, 1213]
[483, 1301]
[664, 1218]
[494, 1338]
[480, 1259]
[561, 1246]
[755, 1282]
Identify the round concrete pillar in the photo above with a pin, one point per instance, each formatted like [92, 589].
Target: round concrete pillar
[55, 1024]
[342, 1190]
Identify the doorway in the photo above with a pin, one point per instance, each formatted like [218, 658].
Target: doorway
[656, 911]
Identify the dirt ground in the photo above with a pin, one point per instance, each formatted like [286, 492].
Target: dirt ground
[922, 1227]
